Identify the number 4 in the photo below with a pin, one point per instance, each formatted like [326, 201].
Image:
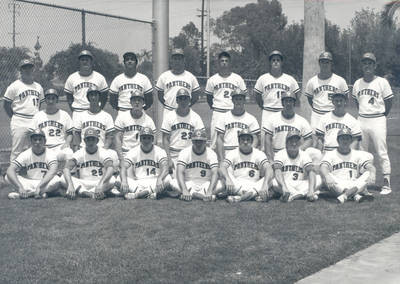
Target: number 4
[371, 101]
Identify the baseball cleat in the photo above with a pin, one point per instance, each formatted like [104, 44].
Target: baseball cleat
[152, 196]
[130, 196]
[294, 197]
[13, 195]
[341, 199]
[363, 198]
[385, 190]
[233, 199]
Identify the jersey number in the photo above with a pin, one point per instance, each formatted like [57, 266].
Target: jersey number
[98, 172]
[203, 173]
[251, 173]
[55, 132]
[371, 101]
[295, 176]
[35, 102]
[279, 94]
[351, 174]
[151, 171]
[43, 172]
[186, 135]
[227, 94]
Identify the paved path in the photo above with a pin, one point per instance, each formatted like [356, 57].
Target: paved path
[379, 263]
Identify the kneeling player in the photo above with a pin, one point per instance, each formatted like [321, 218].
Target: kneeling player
[246, 171]
[149, 166]
[41, 168]
[94, 169]
[294, 172]
[197, 170]
[347, 172]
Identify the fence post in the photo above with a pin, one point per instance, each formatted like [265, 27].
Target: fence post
[83, 28]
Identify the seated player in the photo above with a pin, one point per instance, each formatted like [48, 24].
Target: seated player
[232, 122]
[149, 167]
[94, 169]
[330, 123]
[294, 172]
[177, 127]
[347, 172]
[246, 171]
[128, 124]
[41, 168]
[197, 170]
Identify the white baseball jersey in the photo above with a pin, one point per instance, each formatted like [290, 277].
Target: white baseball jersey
[101, 121]
[347, 167]
[221, 88]
[371, 96]
[180, 129]
[146, 165]
[131, 127]
[78, 85]
[292, 169]
[55, 126]
[171, 83]
[91, 166]
[330, 124]
[320, 91]
[197, 167]
[36, 166]
[278, 126]
[271, 89]
[246, 166]
[122, 85]
[25, 99]
[231, 125]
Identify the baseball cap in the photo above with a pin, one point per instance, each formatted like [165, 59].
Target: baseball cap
[51, 92]
[25, 62]
[325, 55]
[224, 54]
[275, 52]
[136, 93]
[244, 131]
[130, 53]
[37, 132]
[288, 94]
[237, 92]
[199, 134]
[92, 89]
[85, 53]
[91, 132]
[182, 92]
[177, 51]
[332, 95]
[146, 131]
[369, 56]
[344, 131]
[293, 133]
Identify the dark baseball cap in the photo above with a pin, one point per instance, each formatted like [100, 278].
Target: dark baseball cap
[85, 53]
[288, 94]
[146, 131]
[92, 89]
[275, 52]
[199, 134]
[369, 56]
[293, 133]
[344, 131]
[91, 132]
[130, 53]
[238, 92]
[325, 55]
[342, 94]
[183, 93]
[25, 62]
[37, 132]
[244, 132]
[51, 92]
[224, 54]
[177, 51]
[137, 93]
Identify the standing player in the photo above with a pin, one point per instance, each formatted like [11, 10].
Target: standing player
[124, 84]
[280, 123]
[197, 170]
[374, 96]
[246, 171]
[270, 87]
[294, 174]
[218, 90]
[174, 79]
[149, 166]
[79, 82]
[41, 169]
[178, 126]
[347, 172]
[232, 122]
[94, 169]
[330, 123]
[21, 102]
[128, 124]
[320, 88]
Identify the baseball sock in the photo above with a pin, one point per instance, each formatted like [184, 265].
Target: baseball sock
[386, 180]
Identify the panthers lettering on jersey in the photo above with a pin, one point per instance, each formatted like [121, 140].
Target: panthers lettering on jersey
[170, 83]
[146, 165]
[197, 167]
[36, 165]
[25, 99]
[91, 166]
[292, 169]
[371, 96]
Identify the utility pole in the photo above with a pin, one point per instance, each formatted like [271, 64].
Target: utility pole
[15, 7]
[202, 15]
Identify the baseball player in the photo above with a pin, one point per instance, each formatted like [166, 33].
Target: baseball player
[373, 96]
[228, 126]
[320, 88]
[41, 168]
[347, 172]
[124, 84]
[22, 100]
[79, 82]
[177, 127]
[218, 90]
[174, 79]
[149, 166]
[330, 123]
[94, 169]
[197, 170]
[128, 124]
[294, 172]
[280, 123]
[246, 172]
[269, 88]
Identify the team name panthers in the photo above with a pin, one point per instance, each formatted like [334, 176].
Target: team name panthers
[236, 124]
[89, 164]
[84, 85]
[130, 87]
[292, 168]
[93, 124]
[182, 125]
[281, 128]
[178, 84]
[325, 88]
[150, 163]
[28, 93]
[224, 85]
[368, 92]
[336, 125]
[242, 165]
[51, 123]
[345, 165]
[37, 165]
[133, 128]
[276, 86]
[198, 164]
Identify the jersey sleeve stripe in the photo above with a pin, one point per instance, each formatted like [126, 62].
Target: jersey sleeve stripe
[113, 92]
[307, 164]
[149, 91]
[106, 160]
[363, 165]
[388, 97]
[278, 163]
[165, 131]
[68, 91]
[307, 135]
[228, 162]
[214, 165]
[220, 130]
[159, 89]
[296, 91]
[15, 162]
[163, 159]
[357, 134]
[53, 162]
[129, 161]
[110, 130]
[267, 131]
[119, 128]
[196, 89]
[327, 164]
[309, 95]
[208, 93]
[319, 131]
[256, 131]
[263, 162]
[181, 163]
[7, 99]
[257, 91]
